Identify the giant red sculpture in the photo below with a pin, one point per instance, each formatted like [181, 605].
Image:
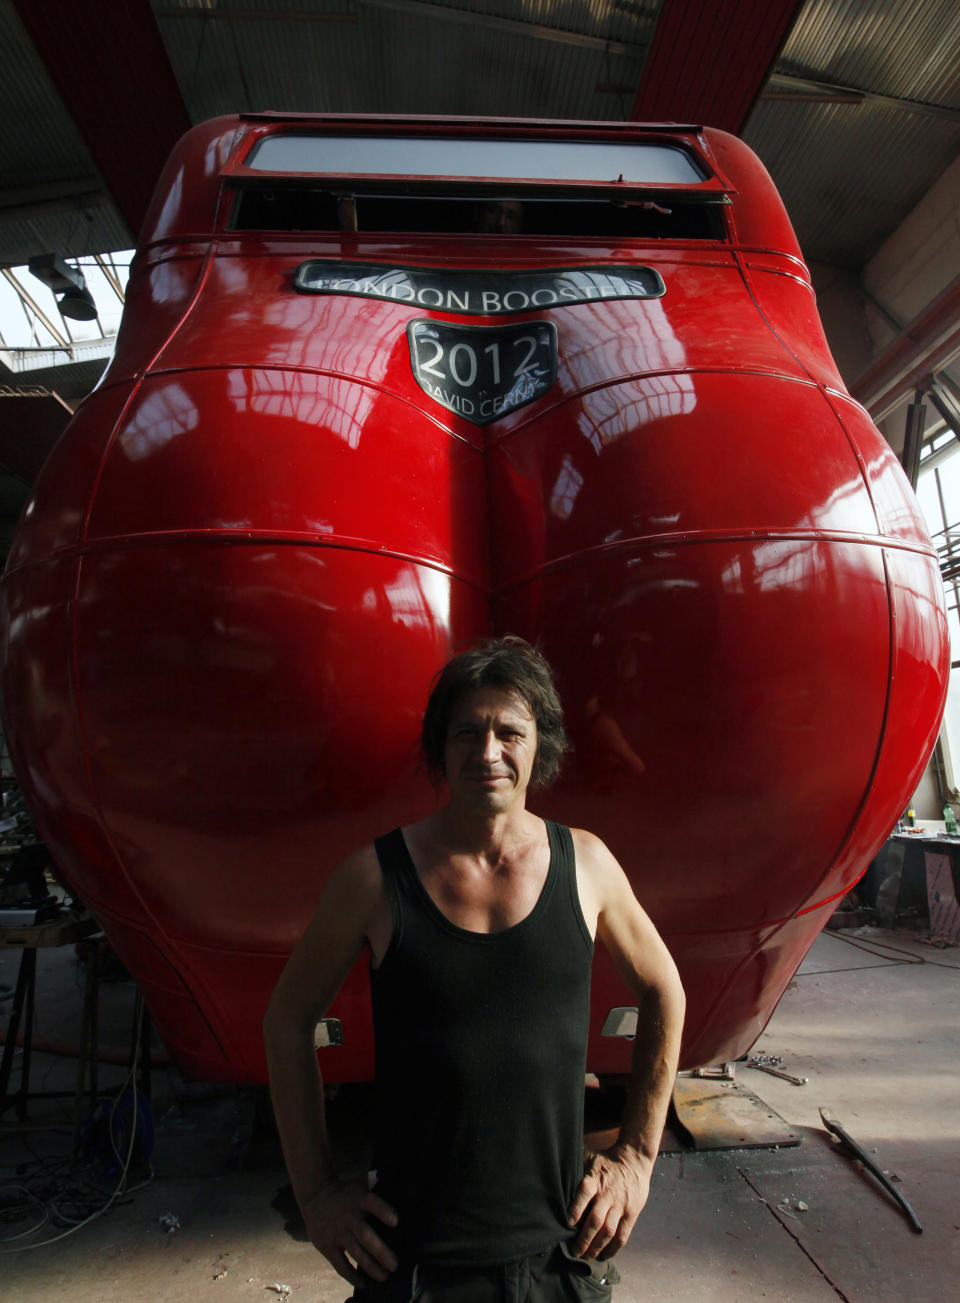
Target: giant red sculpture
[383, 386]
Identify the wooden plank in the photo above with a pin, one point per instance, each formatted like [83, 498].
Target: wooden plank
[58, 932]
[941, 898]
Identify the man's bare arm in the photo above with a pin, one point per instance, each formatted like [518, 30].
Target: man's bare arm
[335, 1212]
[616, 1182]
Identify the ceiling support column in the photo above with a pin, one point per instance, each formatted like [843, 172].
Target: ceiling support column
[110, 67]
[708, 63]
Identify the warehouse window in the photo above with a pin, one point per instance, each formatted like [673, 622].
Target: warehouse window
[643, 163]
[295, 208]
[454, 184]
[938, 491]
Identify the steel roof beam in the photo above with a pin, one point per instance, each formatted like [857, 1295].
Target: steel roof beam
[946, 404]
[806, 90]
[111, 70]
[709, 63]
[110, 275]
[494, 23]
[927, 344]
[32, 201]
[27, 298]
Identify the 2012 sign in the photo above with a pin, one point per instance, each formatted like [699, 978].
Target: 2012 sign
[483, 372]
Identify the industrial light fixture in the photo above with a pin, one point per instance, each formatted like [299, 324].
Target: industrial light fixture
[75, 300]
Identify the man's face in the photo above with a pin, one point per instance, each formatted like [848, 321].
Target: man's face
[500, 217]
[490, 750]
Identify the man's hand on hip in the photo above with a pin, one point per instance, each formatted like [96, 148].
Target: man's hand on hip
[337, 1224]
[608, 1202]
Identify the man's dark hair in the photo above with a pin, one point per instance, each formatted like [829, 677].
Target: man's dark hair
[511, 664]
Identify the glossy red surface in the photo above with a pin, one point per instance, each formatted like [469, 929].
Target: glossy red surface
[260, 537]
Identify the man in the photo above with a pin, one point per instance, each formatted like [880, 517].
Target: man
[479, 921]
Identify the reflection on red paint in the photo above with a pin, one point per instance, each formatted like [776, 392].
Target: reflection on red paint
[260, 537]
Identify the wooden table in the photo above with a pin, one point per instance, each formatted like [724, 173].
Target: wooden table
[30, 938]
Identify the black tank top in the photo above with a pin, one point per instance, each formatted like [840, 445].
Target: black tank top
[480, 1058]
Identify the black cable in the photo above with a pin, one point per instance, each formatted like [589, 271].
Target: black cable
[77, 1200]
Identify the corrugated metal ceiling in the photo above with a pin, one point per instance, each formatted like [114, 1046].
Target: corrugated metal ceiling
[888, 46]
[391, 57]
[850, 172]
[51, 194]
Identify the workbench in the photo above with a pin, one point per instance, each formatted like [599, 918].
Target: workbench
[919, 868]
[65, 930]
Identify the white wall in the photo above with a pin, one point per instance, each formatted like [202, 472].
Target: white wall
[920, 258]
[841, 304]
[906, 273]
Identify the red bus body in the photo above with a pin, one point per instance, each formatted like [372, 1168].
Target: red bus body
[261, 535]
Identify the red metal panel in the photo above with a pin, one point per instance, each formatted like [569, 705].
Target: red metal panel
[726, 714]
[247, 720]
[156, 300]
[43, 732]
[675, 459]
[55, 513]
[757, 219]
[100, 62]
[260, 537]
[642, 648]
[603, 342]
[709, 63]
[894, 501]
[789, 306]
[192, 1033]
[281, 455]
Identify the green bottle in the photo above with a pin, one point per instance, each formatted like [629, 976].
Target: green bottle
[950, 820]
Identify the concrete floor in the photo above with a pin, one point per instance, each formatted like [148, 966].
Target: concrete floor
[874, 1029]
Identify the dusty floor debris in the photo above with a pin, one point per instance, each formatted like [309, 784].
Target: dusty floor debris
[212, 1217]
